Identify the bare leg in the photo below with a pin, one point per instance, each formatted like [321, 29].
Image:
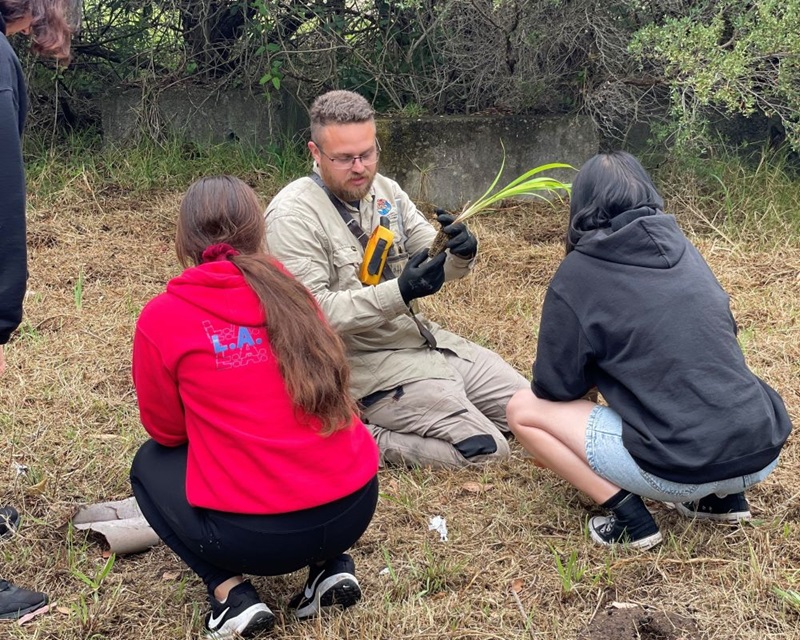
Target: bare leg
[223, 589]
[555, 433]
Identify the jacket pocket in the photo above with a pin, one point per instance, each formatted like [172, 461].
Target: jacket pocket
[346, 264]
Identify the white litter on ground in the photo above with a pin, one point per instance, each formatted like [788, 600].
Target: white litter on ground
[438, 523]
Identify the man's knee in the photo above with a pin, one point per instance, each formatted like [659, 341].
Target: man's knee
[483, 446]
[411, 450]
[501, 451]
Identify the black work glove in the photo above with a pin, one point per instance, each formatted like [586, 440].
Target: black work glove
[419, 280]
[461, 243]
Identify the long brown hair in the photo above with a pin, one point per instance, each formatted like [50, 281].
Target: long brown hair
[50, 30]
[311, 356]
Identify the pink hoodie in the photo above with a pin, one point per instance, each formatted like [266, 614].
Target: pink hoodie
[204, 373]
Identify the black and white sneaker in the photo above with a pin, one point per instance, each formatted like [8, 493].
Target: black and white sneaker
[9, 521]
[629, 523]
[15, 602]
[333, 584]
[732, 508]
[242, 614]
[609, 530]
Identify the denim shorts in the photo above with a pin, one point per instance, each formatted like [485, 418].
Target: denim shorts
[609, 458]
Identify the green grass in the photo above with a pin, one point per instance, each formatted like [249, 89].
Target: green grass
[82, 160]
[737, 197]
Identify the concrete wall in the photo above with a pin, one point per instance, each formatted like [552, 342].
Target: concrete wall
[446, 160]
[450, 160]
[203, 115]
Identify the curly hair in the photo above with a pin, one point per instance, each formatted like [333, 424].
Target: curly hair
[338, 107]
[50, 29]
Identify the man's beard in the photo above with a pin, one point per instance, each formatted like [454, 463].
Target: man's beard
[353, 195]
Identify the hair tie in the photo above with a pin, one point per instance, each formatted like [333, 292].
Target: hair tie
[217, 252]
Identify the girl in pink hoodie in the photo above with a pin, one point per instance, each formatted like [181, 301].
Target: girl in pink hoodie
[258, 462]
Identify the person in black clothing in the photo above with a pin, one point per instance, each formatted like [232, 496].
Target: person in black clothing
[45, 22]
[635, 311]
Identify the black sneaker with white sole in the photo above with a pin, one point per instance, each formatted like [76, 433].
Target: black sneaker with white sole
[241, 615]
[9, 521]
[732, 508]
[629, 523]
[610, 530]
[332, 584]
[15, 602]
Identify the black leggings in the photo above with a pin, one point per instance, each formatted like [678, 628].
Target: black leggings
[217, 545]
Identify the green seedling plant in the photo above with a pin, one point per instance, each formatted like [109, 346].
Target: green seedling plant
[529, 183]
[435, 573]
[387, 559]
[86, 603]
[84, 606]
[570, 571]
[94, 582]
[28, 332]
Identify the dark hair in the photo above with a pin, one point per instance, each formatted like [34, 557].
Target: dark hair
[606, 185]
[311, 356]
[50, 30]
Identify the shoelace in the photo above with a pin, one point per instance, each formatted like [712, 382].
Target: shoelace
[608, 527]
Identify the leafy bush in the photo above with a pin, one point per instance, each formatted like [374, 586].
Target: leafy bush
[729, 57]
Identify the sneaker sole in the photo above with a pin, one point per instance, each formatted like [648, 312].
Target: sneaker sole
[260, 620]
[340, 590]
[645, 543]
[18, 614]
[734, 517]
[263, 621]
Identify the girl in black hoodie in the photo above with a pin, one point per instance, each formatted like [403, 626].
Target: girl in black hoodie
[635, 311]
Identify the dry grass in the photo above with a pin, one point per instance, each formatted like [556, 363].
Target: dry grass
[68, 414]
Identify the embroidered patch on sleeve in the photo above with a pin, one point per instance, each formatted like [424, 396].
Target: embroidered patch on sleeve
[237, 346]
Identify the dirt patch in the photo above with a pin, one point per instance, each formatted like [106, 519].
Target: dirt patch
[640, 623]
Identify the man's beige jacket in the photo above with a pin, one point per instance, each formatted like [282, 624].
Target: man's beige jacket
[384, 346]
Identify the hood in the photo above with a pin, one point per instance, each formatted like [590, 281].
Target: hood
[219, 289]
[2, 24]
[643, 237]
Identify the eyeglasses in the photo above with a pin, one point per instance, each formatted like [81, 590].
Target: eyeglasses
[367, 158]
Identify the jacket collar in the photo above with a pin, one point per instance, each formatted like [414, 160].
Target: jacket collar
[2, 24]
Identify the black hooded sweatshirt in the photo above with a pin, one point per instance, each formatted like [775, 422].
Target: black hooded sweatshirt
[13, 256]
[636, 311]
